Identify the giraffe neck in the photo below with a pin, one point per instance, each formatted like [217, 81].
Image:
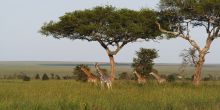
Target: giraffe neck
[88, 74]
[98, 69]
[156, 76]
[138, 75]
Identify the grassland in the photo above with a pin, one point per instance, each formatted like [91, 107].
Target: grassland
[72, 95]
[126, 95]
[66, 68]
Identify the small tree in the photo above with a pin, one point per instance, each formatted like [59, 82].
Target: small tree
[80, 75]
[189, 57]
[45, 77]
[124, 76]
[52, 75]
[26, 78]
[37, 76]
[144, 60]
[57, 77]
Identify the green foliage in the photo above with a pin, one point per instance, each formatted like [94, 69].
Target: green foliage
[193, 7]
[45, 77]
[37, 76]
[26, 78]
[124, 76]
[177, 15]
[79, 74]
[144, 60]
[106, 24]
[57, 77]
[171, 78]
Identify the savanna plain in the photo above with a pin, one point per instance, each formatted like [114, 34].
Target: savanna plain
[69, 94]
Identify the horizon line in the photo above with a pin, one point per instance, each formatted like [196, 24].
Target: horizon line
[87, 61]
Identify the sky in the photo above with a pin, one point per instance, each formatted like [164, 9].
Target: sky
[20, 21]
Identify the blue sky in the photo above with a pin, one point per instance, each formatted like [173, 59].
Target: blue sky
[20, 21]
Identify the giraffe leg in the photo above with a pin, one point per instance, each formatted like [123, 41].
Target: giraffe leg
[102, 84]
[107, 85]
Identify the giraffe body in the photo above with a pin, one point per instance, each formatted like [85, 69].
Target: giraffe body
[104, 80]
[159, 79]
[141, 79]
[90, 77]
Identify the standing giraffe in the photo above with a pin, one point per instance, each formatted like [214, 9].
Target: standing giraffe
[104, 79]
[159, 79]
[141, 79]
[90, 77]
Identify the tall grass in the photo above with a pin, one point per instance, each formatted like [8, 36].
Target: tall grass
[126, 95]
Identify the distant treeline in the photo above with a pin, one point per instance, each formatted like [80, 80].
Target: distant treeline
[89, 64]
[122, 64]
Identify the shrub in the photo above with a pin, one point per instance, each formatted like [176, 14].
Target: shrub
[57, 77]
[67, 77]
[79, 74]
[45, 77]
[26, 78]
[52, 75]
[37, 76]
[171, 78]
[124, 76]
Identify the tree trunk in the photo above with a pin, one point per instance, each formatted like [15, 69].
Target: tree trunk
[112, 63]
[199, 65]
[198, 70]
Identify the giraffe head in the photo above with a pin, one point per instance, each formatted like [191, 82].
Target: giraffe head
[96, 64]
[83, 67]
[135, 71]
[151, 73]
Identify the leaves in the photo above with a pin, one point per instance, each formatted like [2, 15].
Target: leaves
[144, 60]
[106, 24]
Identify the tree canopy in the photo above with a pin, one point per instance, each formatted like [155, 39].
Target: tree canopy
[107, 25]
[179, 14]
[144, 60]
[178, 17]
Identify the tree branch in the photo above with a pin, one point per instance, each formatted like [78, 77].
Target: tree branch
[191, 41]
[118, 48]
[217, 33]
[178, 34]
[165, 31]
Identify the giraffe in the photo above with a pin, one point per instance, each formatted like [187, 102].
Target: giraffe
[159, 79]
[104, 79]
[141, 79]
[90, 77]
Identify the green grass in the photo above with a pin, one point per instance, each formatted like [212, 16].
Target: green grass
[126, 95]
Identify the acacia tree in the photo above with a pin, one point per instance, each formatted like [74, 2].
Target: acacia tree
[144, 60]
[112, 28]
[180, 15]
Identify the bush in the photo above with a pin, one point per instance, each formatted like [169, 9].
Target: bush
[67, 77]
[171, 78]
[45, 77]
[52, 75]
[37, 76]
[209, 78]
[26, 78]
[124, 76]
[79, 74]
[57, 77]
